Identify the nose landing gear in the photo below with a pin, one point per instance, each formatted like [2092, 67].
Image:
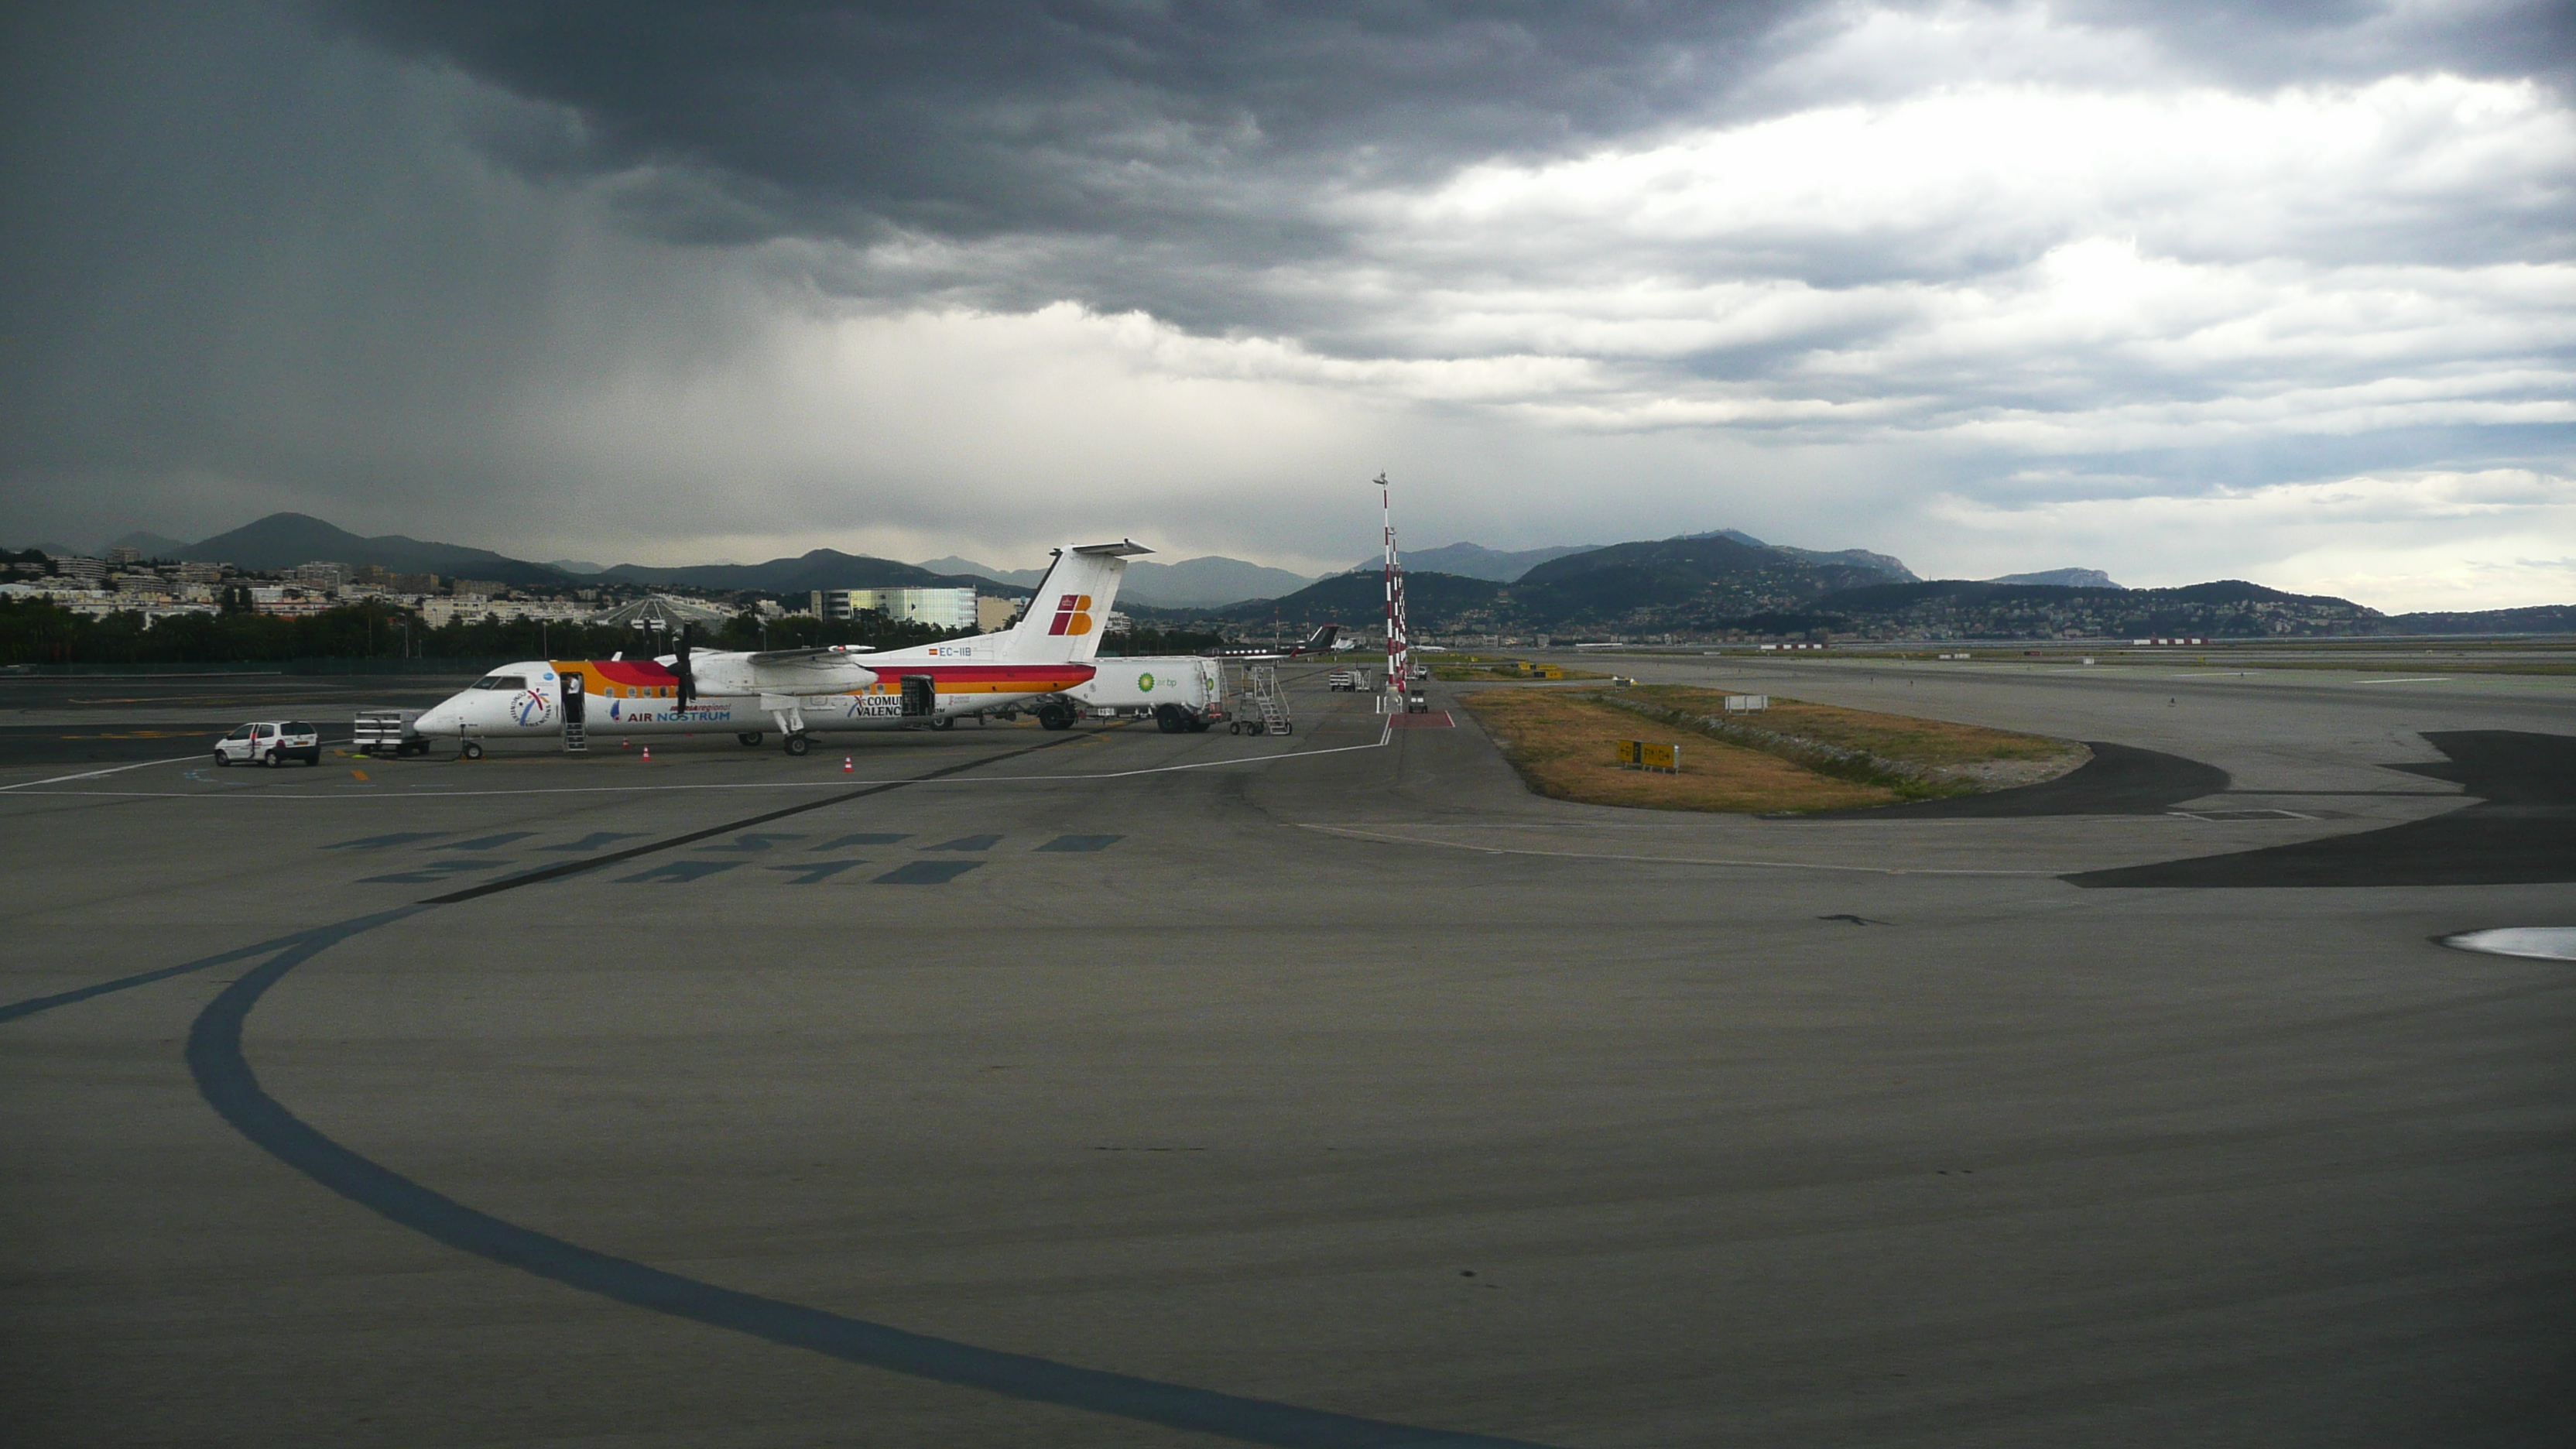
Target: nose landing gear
[471, 749]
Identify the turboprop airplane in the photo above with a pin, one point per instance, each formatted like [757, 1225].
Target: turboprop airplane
[799, 691]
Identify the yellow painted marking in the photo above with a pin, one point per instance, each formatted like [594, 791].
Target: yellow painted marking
[360, 774]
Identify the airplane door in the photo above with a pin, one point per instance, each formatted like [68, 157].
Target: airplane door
[920, 696]
[574, 696]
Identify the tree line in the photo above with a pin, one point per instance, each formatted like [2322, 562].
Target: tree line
[39, 631]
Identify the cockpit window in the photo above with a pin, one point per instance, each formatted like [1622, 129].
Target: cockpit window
[502, 681]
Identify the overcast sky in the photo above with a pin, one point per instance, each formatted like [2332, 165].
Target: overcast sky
[2283, 291]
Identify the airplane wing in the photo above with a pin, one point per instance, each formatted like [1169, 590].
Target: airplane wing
[820, 652]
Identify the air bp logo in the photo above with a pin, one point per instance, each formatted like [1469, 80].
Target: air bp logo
[1144, 681]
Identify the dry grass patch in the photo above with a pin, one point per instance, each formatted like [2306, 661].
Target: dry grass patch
[1928, 742]
[1484, 668]
[1562, 745]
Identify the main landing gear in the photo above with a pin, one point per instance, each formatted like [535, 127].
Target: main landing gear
[750, 739]
[1055, 716]
[798, 744]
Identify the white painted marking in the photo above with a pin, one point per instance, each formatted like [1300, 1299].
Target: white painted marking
[2539, 943]
[2428, 679]
[94, 774]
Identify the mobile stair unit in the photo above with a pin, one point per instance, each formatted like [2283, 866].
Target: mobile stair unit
[1261, 708]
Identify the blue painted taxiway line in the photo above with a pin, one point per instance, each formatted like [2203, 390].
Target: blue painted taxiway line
[225, 1078]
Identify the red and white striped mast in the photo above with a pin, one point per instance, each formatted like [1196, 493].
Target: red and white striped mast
[1398, 644]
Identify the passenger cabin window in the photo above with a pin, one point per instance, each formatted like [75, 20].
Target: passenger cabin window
[502, 681]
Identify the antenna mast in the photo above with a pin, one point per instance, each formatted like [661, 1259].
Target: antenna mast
[1399, 652]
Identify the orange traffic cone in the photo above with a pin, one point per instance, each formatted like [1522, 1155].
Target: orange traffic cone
[648, 754]
[845, 764]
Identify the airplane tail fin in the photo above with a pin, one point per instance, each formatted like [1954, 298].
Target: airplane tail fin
[1071, 610]
[1321, 640]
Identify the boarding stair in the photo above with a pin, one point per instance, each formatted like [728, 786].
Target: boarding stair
[1262, 708]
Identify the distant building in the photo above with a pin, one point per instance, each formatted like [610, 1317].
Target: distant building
[89, 572]
[940, 608]
[124, 557]
[199, 573]
[659, 614]
[488, 588]
[470, 608]
[292, 601]
[319, 575]
[993, 614]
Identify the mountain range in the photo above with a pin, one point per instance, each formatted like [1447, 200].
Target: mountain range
[1474, 561]
[1724, 579]
[1192, 583]
[284, 540]
[1714, 582]
[821, 568]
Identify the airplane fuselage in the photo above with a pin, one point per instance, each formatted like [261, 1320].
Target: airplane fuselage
[640, 697]
[795, 691]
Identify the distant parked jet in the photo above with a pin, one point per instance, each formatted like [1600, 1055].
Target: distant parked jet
[1319, 642]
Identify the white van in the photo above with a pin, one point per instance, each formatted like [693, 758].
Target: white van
[270, 742]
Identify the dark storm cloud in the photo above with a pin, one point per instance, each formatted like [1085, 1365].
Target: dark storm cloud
[1140, 121]
[632, 278]
[980, 118]
[1185, 159]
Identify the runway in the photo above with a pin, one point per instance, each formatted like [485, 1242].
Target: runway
[1121, 1088]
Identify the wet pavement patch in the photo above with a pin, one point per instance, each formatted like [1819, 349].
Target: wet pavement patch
[595, 839]
[2521, 831]
[380, 842]
[2225, 815]
[681, 871]
[815, 872]
[757, 840]
[1082, 842]
[2118, 780]
[967, 842]
[864, 837]
[431, 871]
[927, 872]
[488, 842]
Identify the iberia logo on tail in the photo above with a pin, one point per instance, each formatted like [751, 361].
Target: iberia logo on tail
[1072, 615]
